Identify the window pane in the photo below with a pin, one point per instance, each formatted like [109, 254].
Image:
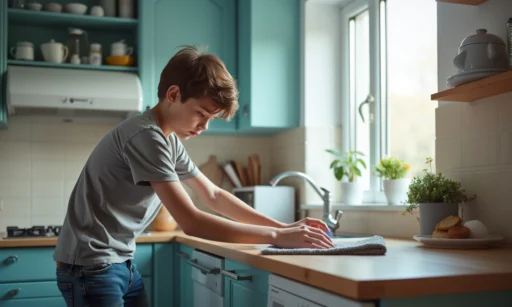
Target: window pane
[412, 77]
[361, 78]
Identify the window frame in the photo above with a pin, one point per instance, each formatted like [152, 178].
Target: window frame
[378, 109]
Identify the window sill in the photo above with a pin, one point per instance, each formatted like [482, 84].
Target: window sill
[362, 207]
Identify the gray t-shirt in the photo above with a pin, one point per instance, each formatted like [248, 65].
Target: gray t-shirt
[113, 201]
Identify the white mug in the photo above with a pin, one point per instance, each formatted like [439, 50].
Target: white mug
[23, 51]
[120, 48]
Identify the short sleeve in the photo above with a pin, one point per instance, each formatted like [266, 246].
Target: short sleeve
[150, 158]
[185, 168]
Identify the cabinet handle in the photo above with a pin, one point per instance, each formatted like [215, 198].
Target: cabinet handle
[182, 255]
[245, 110]
[204, 270]
[234, 276]
[13, 292]
[11, 259]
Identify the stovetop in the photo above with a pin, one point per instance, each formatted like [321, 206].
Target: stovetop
[14, 232]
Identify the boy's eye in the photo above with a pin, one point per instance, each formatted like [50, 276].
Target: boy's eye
[200, 114]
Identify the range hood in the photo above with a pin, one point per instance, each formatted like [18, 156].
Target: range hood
[72, 92]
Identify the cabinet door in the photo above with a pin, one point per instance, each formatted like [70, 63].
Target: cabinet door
[3, 64]
[164, 275]
[244, 291]
[168, 24]
[184, 277]
[269, 64]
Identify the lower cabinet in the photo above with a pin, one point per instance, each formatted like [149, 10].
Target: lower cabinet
[244, 285]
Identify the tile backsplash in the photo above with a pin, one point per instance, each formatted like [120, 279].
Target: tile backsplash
[40, 160]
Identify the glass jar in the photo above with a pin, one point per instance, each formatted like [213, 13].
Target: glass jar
[95, 54]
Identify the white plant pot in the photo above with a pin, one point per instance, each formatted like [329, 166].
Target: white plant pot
[396, 190]
[352, 193]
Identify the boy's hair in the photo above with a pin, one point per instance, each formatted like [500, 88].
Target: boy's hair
[199, 74]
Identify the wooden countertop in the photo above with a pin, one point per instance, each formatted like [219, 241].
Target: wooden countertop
[407, 269]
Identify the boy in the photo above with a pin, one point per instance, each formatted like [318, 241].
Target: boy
[140, 165]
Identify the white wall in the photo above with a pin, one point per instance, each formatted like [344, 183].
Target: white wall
[474, 140]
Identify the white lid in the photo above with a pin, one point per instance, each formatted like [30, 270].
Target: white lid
[25, 44]
[95, 46]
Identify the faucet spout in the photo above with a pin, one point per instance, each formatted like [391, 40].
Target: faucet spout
[332, 223]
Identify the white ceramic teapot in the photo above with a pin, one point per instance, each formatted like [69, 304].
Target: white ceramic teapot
[54, 52]
[481, 51]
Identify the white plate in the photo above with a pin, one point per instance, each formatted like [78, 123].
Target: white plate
[470, 243]
[470, 76]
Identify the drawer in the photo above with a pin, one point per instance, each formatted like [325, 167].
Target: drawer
[24, 290]
[143, 259]
[259, 281]
[39, 302]
[26, 264]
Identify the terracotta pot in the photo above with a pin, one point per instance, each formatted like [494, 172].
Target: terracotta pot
[164, 221]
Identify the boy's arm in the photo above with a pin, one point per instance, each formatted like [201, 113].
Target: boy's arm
[197, 223]
[227, 204]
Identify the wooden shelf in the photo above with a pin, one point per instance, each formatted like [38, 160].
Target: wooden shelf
[73, 66]
[29, 17]
[466, 2]
[479, 89]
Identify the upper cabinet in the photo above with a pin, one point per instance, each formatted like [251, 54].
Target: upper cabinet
[167, 25]
[269, 65]
[3, 64]
[466, 2]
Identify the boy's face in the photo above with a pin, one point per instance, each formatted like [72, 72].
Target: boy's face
[191, 117]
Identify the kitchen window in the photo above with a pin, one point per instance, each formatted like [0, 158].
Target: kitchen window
[389, 70]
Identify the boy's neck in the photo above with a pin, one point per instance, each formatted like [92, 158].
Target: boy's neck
[160, 120]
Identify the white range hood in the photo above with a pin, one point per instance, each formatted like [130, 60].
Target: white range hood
[72, 92]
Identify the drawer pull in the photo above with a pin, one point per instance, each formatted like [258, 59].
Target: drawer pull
[13, 292]
[182, 255]
[204, 270]
[234, 276]
[11, 259]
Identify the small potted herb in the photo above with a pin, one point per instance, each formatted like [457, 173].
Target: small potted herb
[348, 166]
[393, 171]
[436, 196]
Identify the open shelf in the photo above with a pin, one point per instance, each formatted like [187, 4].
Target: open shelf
[487, 87]
[467, 2]
[73, 66]
[24, 16]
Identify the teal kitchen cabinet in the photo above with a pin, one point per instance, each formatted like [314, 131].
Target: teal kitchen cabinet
[27, 275]
[244, 285]
[3, 64]
[269, 65]
[166, 25]
[183, 277]
[164, 274]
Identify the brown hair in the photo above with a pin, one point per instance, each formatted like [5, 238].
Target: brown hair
[199, 74]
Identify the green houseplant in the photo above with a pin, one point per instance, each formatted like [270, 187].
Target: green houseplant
[436, 196]
[393, 172]
[349, 166]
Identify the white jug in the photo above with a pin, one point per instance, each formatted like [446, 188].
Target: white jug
[54, 52]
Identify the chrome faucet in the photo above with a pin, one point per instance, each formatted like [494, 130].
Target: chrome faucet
[332, 223]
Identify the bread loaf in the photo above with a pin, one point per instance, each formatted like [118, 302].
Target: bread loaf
[447, 222]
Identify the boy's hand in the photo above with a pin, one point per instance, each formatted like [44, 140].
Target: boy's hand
[302, 237]
[308, 221]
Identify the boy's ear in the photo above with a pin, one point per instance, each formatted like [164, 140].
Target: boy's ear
[173, 93]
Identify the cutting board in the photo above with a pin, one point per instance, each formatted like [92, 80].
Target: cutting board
[212, 170]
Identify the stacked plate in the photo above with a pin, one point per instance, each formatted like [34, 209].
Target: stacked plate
[472, 75]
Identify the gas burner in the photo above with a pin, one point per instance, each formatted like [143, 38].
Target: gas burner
[32, 232]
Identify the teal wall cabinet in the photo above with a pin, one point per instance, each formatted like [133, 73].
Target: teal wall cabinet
[3, 64]
[167, 25]
[269, 65]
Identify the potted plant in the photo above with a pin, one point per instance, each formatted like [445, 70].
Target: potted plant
[393, 171]
[436, 196]
[348, 166]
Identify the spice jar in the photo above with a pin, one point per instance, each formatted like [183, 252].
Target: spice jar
[95, 54]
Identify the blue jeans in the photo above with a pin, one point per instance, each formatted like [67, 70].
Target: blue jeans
[112, 285]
